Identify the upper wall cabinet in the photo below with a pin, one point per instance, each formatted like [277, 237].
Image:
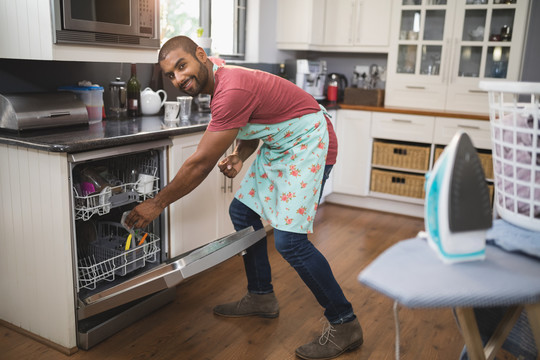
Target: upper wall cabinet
[300, 24]
[330, 25]
[26, 32]
[441, 49]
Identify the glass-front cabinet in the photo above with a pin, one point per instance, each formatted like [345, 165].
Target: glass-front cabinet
[441, 49]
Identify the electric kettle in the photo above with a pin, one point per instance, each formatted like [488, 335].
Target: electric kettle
[342, 83]
[151, 101]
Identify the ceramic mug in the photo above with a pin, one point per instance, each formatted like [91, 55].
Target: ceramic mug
[172, 111]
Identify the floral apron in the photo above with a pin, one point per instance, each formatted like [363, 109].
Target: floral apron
[284, 181]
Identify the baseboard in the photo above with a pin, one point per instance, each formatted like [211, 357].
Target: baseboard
[42, 340]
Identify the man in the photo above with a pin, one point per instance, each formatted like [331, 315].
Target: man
[282, 186]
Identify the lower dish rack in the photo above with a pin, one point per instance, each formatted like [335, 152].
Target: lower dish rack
[107, 257]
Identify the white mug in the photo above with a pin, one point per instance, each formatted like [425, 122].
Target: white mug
[172, 111]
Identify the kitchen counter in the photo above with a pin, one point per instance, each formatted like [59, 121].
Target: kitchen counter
[116, 132]
[415, 112]
[108, 133]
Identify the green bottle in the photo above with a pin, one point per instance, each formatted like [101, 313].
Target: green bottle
[134, 93]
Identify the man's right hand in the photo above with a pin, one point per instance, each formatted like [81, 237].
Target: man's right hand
[143, 214]
[231, 165]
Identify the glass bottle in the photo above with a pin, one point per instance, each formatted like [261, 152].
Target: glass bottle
[282, 72]
[133, 93]
[332, 90]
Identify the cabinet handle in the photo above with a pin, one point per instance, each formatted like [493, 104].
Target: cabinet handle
[447, 61]
[416, 87]
[352, 37]
[231, 185]
[359, 11]
[477, 91]
[403, 121]
[472, 127]
[451, 74]
[224, 187]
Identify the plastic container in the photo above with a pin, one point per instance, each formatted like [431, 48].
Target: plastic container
[514, 112]
[92, 97]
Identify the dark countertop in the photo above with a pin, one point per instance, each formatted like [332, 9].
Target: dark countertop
[105, 134]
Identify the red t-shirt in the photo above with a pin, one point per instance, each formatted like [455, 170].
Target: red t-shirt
[243, 95]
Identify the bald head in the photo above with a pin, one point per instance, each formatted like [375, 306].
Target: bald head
[178, 42]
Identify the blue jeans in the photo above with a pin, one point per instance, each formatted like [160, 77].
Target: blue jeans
[300, 253]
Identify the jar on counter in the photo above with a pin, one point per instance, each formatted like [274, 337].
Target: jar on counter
[118, 97]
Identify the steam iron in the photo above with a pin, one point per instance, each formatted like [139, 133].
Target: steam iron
[457, 207]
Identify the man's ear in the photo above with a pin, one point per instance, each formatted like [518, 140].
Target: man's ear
[201, 54]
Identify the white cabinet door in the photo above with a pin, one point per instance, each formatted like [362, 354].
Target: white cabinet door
[477, 56]
[372, 24]
[194, 219]
[228, 188]
[418, 61]
[351, 172]
[342, 25]
[440, 50]
[339, 19]
[299, 24]
[329, 184]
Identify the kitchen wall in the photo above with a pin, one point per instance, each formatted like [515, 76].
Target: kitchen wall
[18, 76]
[33, 75]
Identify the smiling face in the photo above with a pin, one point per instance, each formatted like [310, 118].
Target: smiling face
[188, 73]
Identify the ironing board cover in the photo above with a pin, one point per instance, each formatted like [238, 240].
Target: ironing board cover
[411, 273]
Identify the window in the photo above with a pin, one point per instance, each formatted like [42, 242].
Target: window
[222, 20]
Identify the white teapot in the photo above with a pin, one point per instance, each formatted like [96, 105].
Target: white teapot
[151, 102]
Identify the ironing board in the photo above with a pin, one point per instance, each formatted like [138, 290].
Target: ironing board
[411, 273]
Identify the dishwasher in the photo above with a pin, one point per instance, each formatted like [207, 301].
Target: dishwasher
[122, 275]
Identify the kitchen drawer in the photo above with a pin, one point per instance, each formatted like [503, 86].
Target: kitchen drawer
[397, 183]
[404, 127]
[412, 94]
[406, 156]
[478, 131]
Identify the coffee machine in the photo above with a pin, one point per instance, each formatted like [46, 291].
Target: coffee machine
[311, 76]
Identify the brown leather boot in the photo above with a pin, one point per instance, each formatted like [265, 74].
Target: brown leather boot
[263, 305]
[334, 341]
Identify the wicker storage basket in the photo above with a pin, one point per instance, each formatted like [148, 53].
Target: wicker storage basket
[485, 159]
[414, 157]
[396, 183]
[515, 135]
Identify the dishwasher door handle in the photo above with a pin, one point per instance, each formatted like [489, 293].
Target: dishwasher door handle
[170, 273]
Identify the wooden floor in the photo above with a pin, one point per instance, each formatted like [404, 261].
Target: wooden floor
[187, 329]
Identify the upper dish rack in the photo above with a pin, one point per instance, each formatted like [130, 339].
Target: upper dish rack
[99, 188]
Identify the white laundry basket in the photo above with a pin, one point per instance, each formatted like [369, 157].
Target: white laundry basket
[514, 113]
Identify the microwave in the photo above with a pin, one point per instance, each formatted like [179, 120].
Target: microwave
[125, 23]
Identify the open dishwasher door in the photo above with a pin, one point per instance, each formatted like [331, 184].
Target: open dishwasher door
[158, 280]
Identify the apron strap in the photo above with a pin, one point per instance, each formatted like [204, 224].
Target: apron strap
[325, 112]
